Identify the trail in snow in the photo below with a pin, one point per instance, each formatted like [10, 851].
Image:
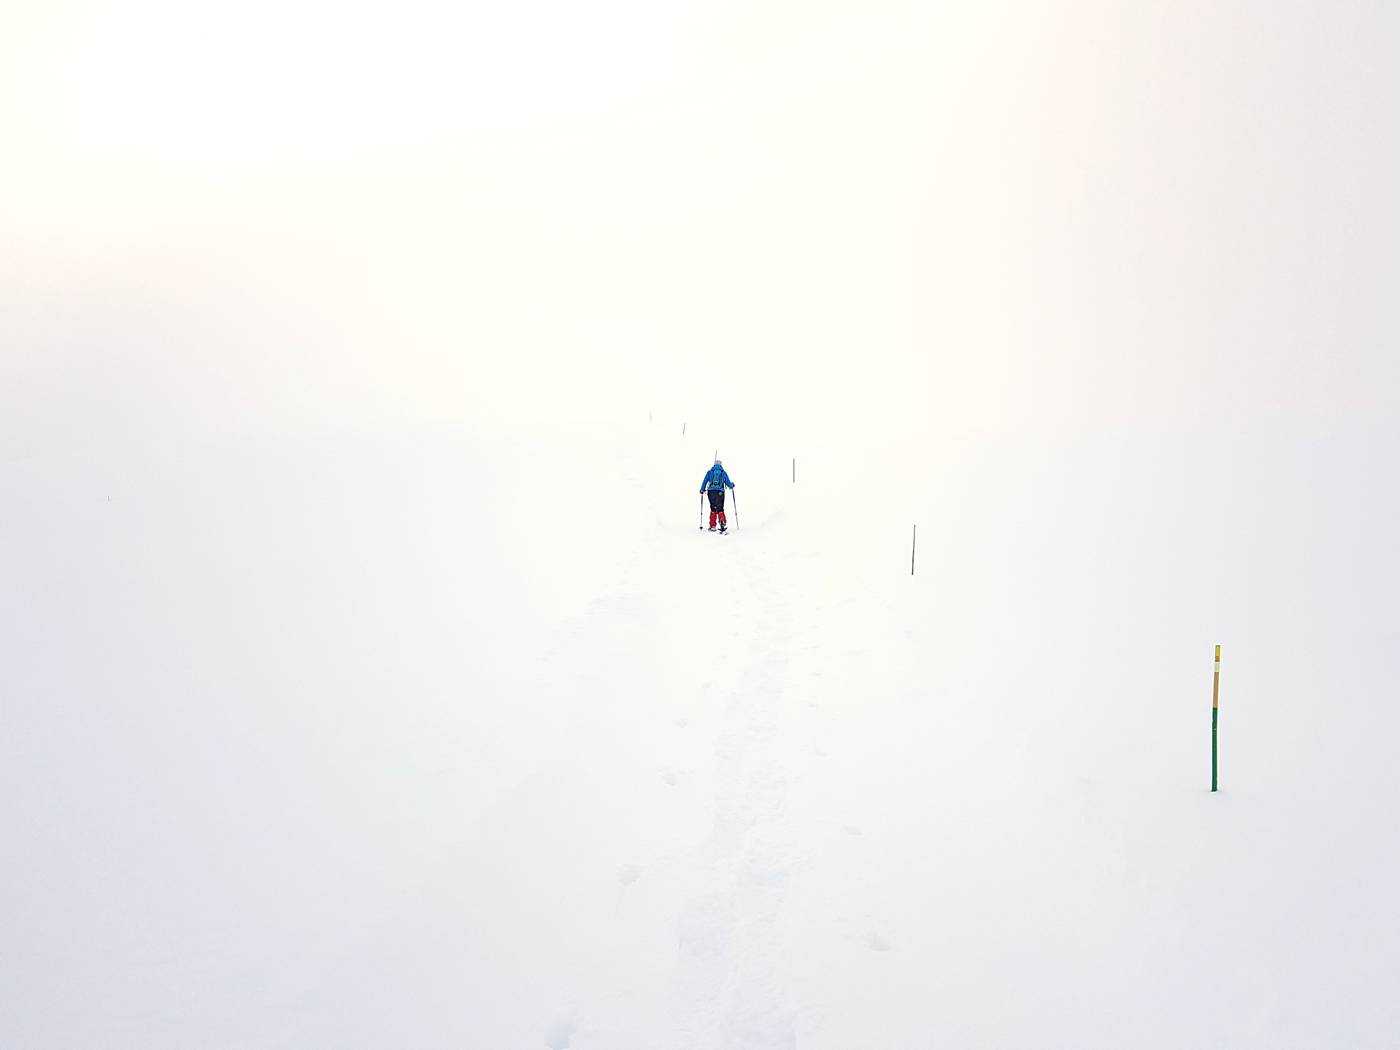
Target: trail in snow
[729, 988]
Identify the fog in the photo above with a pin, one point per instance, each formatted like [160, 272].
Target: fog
[358, 365]
[920, 218]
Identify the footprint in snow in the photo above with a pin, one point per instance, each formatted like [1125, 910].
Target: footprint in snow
[877, 943]
[681, 723]
[629, 873]
[558, 1035]
[851, 829]
[766, 875]
[669, 779]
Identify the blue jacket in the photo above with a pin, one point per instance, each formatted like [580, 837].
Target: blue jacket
[715, 478]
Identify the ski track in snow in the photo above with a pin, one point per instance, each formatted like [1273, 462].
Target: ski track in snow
[728, 993]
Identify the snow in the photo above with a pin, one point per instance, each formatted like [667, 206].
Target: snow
[452, 737]
[365, 681]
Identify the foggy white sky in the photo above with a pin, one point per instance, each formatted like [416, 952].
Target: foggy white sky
[908, 215]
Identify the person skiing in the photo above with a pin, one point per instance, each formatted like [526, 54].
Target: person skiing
[714, 483]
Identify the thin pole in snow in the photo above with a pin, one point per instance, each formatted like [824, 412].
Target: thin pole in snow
[794, 470]
[913, 544]
[1215, 725]
[682, 428]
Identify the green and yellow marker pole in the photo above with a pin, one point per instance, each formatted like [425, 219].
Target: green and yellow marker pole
[1215, 726]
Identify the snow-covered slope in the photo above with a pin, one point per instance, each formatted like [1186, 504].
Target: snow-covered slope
[457, 739]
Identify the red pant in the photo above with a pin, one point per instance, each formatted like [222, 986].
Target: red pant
[716, 506]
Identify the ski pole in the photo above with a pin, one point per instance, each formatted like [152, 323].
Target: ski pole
[736, 508]
[702, 510]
